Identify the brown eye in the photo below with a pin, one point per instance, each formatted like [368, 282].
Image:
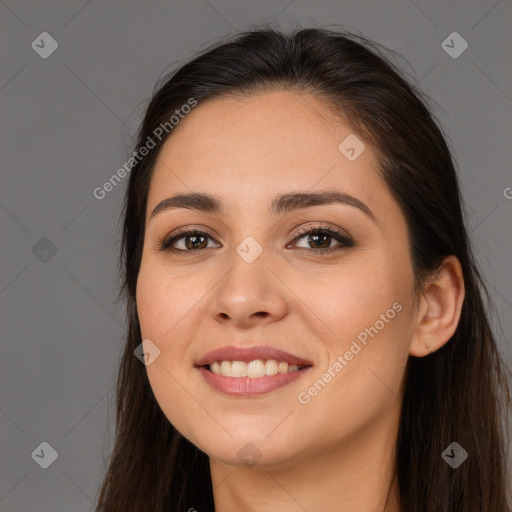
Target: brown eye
[195, 242]
[322, 238]
[187, 241]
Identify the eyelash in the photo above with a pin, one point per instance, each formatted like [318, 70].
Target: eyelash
[346, 242]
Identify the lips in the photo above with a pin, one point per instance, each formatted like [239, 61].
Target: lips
[243, 375]
[245, 387]
[247, 355]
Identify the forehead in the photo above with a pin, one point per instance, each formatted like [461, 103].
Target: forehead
[264, 123]
[260, 145]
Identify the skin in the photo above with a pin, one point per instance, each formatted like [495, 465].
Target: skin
[335, 452]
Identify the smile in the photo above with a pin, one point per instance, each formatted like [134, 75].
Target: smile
[248, 371]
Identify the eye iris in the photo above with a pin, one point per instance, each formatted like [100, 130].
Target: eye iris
[193, 239]
[323, 236]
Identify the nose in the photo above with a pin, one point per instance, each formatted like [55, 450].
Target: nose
[250, 294]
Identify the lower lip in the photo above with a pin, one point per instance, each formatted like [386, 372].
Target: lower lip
[245, 386]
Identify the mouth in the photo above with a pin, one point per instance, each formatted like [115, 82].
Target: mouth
[250, 371]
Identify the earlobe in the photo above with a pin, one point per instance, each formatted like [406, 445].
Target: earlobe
[440, 308]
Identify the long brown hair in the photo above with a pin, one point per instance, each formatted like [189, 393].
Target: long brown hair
[458, 393]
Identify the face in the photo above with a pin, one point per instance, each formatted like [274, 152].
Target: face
[328, 282]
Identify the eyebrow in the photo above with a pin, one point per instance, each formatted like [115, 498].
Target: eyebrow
[280, 205]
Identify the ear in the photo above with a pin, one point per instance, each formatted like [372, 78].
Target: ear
[439, 309]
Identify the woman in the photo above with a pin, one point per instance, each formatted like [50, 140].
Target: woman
[303, 301]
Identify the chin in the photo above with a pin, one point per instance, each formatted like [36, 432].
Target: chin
[249, 449]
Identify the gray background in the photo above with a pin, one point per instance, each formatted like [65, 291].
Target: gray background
[67, 124]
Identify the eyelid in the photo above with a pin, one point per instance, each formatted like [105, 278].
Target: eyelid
[304, 230]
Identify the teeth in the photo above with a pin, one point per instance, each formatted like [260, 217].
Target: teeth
[225, 368]
[271, 367]
[254, 369]
[238, 369]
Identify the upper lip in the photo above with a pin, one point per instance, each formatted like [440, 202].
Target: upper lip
[247, 354]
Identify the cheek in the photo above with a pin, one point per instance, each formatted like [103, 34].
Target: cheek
[368, 310]
[165, 305]
[354, 296]
[166, 298]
